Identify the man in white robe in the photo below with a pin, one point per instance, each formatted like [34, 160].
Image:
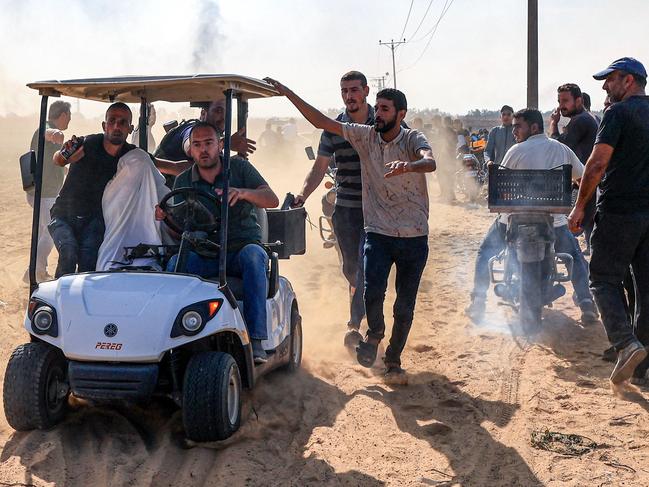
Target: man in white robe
[128, 206]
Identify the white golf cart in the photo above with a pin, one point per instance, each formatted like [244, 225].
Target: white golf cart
[132, 334]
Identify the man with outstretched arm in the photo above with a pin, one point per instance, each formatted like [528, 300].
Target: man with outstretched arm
[394, 161]
[348, 211]
[619, 164]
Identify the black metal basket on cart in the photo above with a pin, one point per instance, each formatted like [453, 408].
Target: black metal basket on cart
[530, 190]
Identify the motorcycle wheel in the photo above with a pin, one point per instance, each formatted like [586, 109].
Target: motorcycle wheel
[530, 299]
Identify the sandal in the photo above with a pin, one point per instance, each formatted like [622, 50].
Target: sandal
[366, 352]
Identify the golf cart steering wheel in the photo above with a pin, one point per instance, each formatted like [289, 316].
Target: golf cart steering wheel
[190, 213]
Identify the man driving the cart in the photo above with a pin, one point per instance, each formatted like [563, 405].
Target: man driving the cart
[245, 258]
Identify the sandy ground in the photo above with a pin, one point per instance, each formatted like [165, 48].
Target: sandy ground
[466, 418]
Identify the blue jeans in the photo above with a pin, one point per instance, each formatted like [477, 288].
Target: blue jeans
[250, 264]
[565, 242]
[349, 230]
[617, 242]
[77, 239]
[409, 256]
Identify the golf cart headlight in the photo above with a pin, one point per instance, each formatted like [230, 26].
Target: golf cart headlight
[43, 318]
[192, 321]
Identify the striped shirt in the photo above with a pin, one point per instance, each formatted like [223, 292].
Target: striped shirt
[347, 162]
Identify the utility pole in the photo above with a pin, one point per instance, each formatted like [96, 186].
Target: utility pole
[392, 45]
[379, 81]
[532, 53]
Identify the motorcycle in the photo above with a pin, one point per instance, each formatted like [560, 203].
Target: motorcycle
[471, 177]
[528, 274]
[325, 224]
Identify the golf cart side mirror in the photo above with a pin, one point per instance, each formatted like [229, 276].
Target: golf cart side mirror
[309, 153]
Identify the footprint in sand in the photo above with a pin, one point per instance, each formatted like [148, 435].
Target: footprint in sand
[421, 348]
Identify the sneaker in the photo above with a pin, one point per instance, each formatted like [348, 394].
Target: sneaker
[395, 375]
[589, 312]
[627, 360]
[476, 309]
[258, 353]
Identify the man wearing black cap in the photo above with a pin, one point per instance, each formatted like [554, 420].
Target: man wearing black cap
[619, 163]
[501, 137]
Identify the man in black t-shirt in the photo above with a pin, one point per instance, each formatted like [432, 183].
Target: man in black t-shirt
[579, 135]
[619, 163]
[77, 225]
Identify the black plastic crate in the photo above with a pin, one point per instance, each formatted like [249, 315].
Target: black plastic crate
[547, 190]
[289, 228]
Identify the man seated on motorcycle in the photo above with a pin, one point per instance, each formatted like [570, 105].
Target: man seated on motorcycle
[534, 150]
[246, 258]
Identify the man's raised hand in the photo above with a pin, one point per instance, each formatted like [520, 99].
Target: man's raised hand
[283, 90]
[241, 144]
[555, 116]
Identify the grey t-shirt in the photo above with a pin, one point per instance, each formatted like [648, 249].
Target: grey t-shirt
[396, 206]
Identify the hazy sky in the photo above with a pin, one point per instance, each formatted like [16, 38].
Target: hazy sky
[475, 59]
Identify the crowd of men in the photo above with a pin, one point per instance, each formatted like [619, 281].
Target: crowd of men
[382, 201]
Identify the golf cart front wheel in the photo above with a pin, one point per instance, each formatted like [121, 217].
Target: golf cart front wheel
[36, 389]
[211, 397]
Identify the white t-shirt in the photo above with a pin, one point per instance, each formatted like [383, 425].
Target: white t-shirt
[541, 152]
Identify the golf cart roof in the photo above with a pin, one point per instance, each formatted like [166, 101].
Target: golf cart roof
[131, 89]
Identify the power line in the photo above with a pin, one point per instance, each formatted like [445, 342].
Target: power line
[422, 19]
[434, 28]
[431, 32]
[407, 19]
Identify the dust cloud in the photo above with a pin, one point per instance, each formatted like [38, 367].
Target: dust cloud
[474, 393]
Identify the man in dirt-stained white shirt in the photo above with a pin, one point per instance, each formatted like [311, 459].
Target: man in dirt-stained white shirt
[394, 161]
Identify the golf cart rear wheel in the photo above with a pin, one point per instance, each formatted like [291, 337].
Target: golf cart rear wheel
[35, 390]
[211, 397]
[295, 352]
